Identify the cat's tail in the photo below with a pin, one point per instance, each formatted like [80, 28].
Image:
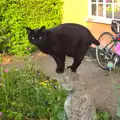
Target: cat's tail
[96, 42]
[93, 40]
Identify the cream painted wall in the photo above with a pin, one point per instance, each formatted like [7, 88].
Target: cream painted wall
[75, 11]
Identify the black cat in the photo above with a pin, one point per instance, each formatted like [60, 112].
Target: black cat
[68, 39]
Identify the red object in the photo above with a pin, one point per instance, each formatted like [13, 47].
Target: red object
[118, 38]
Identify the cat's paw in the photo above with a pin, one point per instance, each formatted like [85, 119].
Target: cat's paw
[72, 69]
[59, 70]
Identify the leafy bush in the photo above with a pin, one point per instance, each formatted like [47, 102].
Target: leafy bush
[27, 94]
[17, 14]
[102, 115]
[105, 116]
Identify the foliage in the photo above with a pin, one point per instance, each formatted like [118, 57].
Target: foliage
[105, 116]
[26, 94]
[102, 115]
[17, 14]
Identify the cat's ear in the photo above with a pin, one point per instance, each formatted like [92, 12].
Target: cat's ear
[43, 28]
[29, 30]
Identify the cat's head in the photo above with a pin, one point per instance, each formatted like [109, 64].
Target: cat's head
[36, 36]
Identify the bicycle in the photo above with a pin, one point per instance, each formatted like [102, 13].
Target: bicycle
[109, 50]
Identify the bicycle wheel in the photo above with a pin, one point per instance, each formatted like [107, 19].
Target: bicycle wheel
[105, 50]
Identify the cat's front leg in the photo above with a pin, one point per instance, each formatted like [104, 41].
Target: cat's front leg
[60, 60]
[61, 67]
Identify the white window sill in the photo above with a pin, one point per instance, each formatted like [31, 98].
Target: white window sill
[99, 20]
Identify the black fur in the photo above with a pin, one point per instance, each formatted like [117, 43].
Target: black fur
[68, 39]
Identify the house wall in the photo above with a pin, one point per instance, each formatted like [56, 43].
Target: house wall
[98, 28]
[76, 11]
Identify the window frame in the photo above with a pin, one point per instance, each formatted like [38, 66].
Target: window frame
[97, 18]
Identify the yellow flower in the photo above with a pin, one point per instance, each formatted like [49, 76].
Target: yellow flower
[42, 83]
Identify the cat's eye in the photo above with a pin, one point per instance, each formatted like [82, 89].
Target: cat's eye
[33, 38]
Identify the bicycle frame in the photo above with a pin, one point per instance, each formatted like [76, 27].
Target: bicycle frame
[109, 51]
[114, 41]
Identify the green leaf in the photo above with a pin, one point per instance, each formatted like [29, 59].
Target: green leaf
[61, 115]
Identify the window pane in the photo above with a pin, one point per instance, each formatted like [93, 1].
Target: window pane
[100, 1]
[117, 11]
[100, 9]
[93, 0]
[108, 1]
[109, 11]
[94, 9]
[116, 1]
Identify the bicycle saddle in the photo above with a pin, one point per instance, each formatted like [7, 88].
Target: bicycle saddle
[115, 26]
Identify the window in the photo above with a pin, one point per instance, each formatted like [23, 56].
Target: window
[104, 9]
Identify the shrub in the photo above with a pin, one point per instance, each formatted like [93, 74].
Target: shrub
[17, 14]
[27, 94]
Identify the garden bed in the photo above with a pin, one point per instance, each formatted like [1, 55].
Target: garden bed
[27, 94]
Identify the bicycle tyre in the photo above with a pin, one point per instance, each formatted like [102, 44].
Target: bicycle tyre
[98, 48]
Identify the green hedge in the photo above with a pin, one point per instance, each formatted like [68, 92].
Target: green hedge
[16, 14]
